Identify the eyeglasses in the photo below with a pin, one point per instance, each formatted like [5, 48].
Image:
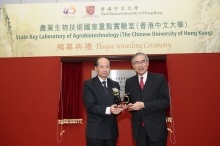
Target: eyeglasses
[137, 63]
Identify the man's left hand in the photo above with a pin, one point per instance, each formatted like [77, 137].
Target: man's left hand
[136, 106]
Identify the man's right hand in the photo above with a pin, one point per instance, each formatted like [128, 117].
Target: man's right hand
[115, 110]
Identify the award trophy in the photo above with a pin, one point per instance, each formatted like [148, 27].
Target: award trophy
[122, 100]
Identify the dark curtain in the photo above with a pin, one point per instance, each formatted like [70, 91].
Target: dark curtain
[70, 104]
[158, 66]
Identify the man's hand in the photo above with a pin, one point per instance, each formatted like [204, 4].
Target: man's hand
[116, 110]
[136, 106]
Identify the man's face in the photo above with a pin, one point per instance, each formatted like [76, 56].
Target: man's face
[140, 64]
[103, 68]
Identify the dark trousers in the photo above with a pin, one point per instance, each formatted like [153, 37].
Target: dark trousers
[143, 139]
[99, 142]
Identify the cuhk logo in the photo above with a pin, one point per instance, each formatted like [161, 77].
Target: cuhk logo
[90, 10]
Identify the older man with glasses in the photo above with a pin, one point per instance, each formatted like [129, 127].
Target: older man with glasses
[149, 97]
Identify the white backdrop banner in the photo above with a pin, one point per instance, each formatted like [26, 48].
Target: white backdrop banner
[110, 28]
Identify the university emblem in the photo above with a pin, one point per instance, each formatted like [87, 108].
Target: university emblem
[90, 10]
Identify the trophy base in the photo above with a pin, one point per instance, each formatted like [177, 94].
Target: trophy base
[118, 106]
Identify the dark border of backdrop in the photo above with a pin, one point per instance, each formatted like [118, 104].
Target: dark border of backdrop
[71, 87]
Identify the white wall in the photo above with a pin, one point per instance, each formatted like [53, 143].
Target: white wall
[2, 2]
[46, 1]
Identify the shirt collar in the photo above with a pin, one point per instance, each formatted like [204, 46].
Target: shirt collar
[144, 75]
[101, 80]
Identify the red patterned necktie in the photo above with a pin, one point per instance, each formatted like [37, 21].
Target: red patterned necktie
[142, 87]
[142, 83]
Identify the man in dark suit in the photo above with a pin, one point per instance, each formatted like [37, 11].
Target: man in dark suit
[149, 96]
[99, 100]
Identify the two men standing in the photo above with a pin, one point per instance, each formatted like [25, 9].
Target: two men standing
[149, 97]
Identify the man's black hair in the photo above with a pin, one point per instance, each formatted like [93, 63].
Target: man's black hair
[96, 62]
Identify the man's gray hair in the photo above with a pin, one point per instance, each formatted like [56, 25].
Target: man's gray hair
[139, 53]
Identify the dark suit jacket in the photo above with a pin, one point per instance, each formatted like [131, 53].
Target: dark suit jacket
[99, 125]
[155, 96]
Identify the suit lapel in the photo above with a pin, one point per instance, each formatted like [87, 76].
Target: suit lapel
[100, 90]
[136, 87]
[110, 93]
[148, 85]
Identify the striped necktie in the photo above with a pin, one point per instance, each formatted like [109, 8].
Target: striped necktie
[105, 88]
